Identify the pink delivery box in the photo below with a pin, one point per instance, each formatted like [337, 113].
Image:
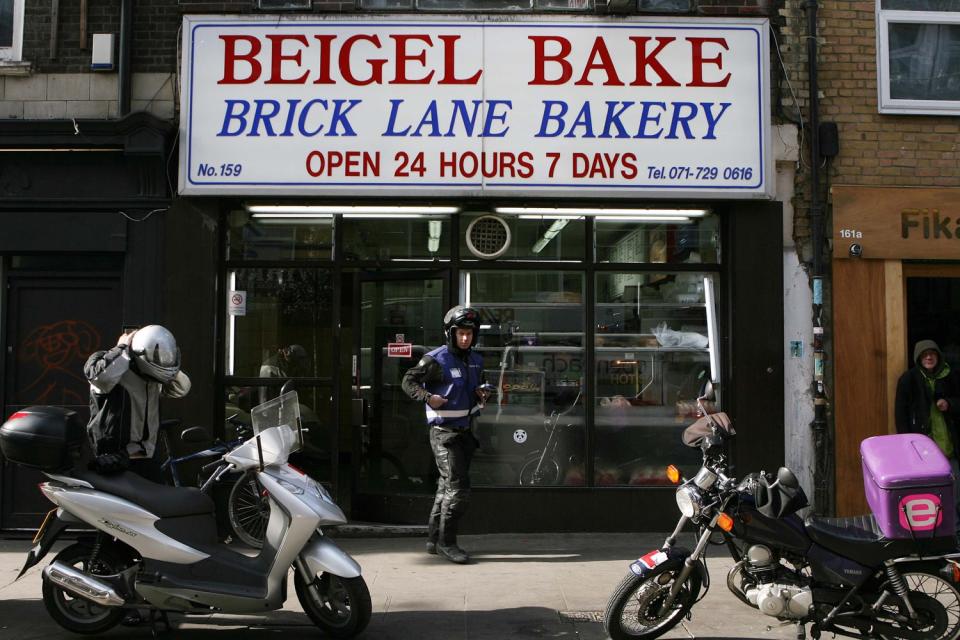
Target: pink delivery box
[908, 486]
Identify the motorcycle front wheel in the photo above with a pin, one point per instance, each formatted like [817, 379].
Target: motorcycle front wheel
[72, 612]
[339, 606]
[633, 610]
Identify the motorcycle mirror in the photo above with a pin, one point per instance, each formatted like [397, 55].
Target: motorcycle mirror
[787, 478]
[709, 394]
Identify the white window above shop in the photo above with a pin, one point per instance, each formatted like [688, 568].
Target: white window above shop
[11, 30]
[918, 56]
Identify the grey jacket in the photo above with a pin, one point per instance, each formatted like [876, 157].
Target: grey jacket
[125, 406]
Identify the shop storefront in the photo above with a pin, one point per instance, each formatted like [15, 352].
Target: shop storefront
[896, 273]
[371, 173]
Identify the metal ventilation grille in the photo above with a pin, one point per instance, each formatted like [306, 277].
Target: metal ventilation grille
[488, 237]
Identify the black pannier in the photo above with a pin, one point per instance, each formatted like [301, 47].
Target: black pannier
[45, 438]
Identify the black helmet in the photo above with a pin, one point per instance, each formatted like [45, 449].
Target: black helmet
[464, 318]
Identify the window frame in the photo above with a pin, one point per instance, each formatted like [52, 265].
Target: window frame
[14, 52]
[886, 104]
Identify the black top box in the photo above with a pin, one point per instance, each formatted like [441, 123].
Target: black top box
[45, 438]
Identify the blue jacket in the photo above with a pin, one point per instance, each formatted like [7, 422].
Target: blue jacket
[458, 385]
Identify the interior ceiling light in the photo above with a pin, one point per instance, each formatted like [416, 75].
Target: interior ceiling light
[346, 210]
[582, 211]
[434, 229]
[550, 234]
[291, 216]
[647, 219]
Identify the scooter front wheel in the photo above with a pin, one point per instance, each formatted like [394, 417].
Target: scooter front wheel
[72, 612]
[633, 610]
[248, 510]
[339, 606]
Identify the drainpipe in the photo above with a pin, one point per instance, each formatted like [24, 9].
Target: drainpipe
[124, 81]
[823, 454]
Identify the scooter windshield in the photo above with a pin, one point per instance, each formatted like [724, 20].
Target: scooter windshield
[276, 428]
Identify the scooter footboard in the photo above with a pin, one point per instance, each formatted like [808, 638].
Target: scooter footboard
[322, 555]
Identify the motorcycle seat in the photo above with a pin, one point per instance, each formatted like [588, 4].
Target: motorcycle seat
[859, 538]
[159, 499]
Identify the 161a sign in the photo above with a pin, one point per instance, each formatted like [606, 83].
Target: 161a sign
[468, 105]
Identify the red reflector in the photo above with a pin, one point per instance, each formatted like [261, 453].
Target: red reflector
[300, 471]
[17, 415]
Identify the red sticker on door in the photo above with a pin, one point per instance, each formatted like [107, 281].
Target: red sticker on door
[399, 350]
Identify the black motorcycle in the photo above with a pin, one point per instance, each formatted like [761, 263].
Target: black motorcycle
[838, 575]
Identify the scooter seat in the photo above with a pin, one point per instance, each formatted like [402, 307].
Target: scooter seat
[859, 538]
[161, 500]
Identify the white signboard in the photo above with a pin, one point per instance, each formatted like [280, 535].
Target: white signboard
[237, 303]
[311, 105]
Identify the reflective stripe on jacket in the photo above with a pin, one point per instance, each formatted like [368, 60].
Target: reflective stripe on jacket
[458, 385]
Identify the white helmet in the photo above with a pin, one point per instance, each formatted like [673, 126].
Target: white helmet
[155, 351]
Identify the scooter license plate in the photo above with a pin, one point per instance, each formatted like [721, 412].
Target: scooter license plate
[43, 526]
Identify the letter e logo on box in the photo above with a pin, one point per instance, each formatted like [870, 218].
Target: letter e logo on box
[920, 512]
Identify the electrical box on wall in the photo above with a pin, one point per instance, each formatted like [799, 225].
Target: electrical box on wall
[101, 53]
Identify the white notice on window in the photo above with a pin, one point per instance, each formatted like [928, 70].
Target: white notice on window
[237, 303]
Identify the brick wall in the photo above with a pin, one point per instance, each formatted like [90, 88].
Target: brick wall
[875, 149]
[157, 22]
[63, 86]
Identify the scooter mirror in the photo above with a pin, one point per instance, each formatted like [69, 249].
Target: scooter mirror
[194, 435]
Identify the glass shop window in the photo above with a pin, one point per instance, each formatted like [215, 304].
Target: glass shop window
[652, 361]
[279, 236]
[532, 430]
[521, 237]
[674, 238]
[396, 238]
[284, 329]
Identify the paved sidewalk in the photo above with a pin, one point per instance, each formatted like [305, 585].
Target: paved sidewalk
[536, 586]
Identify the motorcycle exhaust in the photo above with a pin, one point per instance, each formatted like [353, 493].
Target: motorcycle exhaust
[82, 585]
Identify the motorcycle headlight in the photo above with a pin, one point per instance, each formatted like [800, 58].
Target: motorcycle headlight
[689, 501]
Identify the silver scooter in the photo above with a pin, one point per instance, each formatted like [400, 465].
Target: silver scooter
[156, 547]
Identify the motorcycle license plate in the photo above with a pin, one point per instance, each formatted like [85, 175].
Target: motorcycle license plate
[43, 526]
[649, 562]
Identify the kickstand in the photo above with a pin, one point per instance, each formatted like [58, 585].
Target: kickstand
[156, 618]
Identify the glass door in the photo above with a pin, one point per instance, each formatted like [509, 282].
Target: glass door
[400, 318]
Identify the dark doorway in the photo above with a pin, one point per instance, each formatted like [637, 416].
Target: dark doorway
[55, 320]
[399, 318]
[933, 309]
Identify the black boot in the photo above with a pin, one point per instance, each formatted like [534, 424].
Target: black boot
[453, 553]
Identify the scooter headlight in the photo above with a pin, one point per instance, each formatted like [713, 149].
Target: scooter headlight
[289, 486]
[689, 501]
[321, 492]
